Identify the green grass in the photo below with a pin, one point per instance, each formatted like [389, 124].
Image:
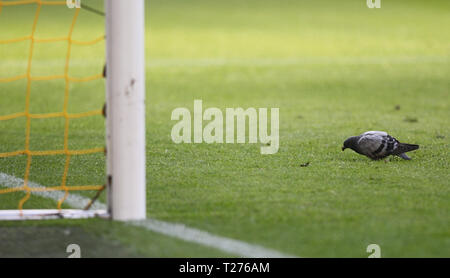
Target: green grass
[334, 69]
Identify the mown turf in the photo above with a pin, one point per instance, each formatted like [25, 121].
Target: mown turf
[334, 69]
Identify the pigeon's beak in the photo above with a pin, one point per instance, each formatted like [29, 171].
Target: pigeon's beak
[343, 148]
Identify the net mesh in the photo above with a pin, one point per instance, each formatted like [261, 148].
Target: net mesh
[63, 114]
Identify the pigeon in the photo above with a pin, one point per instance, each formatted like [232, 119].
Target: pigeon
[378, 145]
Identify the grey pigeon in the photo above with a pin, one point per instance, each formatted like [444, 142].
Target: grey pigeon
[378, 145]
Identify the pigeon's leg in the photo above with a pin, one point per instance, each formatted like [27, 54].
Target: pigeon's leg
[404, 156]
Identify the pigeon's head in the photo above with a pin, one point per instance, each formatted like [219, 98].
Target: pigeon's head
[351, 143]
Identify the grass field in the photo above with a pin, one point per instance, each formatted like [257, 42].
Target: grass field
[334, 68]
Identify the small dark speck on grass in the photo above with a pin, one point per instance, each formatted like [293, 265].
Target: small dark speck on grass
[411, 120]
[440, 136]
[397, 107]
[305, 164]
[299, 117]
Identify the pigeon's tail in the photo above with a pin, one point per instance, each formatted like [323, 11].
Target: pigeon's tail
[403, 148]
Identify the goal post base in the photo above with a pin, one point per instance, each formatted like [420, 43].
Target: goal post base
[45, 214]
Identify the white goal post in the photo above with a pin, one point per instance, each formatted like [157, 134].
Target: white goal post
[125, 123]
[125, 109]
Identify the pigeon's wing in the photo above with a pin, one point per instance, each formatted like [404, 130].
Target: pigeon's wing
[377, 144]
[380, 133]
